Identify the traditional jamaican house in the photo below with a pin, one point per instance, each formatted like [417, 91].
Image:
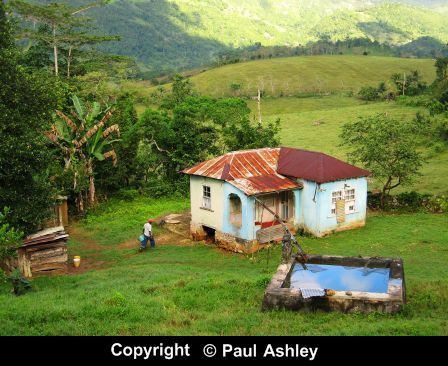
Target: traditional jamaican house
[238, 199]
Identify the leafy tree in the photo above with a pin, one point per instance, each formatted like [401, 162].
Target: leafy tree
[62, 23]
[442, 68]
[182, 88]
[125, 172]
[386, 147]
[247, 135]
[26, 105]
[83, 137]
[409, 84]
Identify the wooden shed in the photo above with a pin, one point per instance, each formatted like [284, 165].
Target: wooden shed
[44, 253]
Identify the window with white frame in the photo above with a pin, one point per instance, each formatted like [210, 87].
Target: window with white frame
[206, 197]
[335, 196]
[348, 195]
[349, 200]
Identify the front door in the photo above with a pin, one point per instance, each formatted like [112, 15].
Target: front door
[285, 205]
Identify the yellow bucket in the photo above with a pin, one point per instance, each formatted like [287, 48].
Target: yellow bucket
[76, 261]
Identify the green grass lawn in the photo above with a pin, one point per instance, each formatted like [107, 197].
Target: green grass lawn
[200, 290]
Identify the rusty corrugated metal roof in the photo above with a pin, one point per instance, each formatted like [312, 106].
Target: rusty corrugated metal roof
[238, 164]
[265, 184]
[268, 169]
[252, 171]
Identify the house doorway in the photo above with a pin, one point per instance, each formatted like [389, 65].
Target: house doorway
[286, 205]
[235, 210]
[209, 234]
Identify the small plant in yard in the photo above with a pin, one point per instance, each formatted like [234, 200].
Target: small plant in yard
[20, 284]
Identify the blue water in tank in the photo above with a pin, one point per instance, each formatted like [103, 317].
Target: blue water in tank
[340, 278]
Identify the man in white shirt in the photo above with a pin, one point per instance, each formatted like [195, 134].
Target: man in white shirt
[147, 233]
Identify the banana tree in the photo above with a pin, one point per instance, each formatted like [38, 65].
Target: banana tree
[83, 136]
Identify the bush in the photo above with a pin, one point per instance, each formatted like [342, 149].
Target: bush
[414, 101]
[156, 188]
[409, 202]
[10, 238]
[437, 204]
[127, 194]
[371, 93]
[20, 284]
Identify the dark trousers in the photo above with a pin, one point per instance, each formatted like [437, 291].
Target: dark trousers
[152, 242]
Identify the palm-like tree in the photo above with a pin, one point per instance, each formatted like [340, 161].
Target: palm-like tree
[83, 135]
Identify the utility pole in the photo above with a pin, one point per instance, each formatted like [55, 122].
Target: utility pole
[259, 106]
[404, 82]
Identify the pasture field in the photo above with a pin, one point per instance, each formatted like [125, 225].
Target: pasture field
[197, 289]
[314, 123]
[292, 76]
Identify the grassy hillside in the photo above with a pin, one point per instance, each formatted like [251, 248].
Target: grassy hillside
[308, 74]
[197, 289]
[315, 124]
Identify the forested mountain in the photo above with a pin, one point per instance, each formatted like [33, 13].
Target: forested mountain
[168, 35]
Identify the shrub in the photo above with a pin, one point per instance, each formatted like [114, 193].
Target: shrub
[10, 238]
[20, 284]
[437, 204]
[409, 202]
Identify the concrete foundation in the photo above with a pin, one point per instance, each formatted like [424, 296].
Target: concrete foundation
[225, 241]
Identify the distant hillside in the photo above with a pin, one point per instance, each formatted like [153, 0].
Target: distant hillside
[310, 74]
[168, 35]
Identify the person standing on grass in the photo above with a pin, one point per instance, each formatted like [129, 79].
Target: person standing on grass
[147, 233]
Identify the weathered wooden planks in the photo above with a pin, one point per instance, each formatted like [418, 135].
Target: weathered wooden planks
[44, 253]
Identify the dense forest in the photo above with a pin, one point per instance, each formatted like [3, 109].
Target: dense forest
[166, 36]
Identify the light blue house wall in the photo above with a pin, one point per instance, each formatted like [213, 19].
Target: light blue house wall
[247, 229]
[312, 207]
[314, 203]
[327, 221]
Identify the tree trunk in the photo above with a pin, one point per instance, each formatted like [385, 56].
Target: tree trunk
[91, 182]
[80, 203]
[55, 50]
[383, 192]
[69, 59]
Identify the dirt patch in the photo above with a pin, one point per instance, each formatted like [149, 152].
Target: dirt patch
[79, 235]
[87, 264]
[172, 229]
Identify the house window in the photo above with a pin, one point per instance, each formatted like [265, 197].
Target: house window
[349, 201]
[206, 197]
[348, 196]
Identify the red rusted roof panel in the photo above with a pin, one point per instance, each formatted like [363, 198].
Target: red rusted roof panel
[315, 166]
[265, 184]
[238, 164]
